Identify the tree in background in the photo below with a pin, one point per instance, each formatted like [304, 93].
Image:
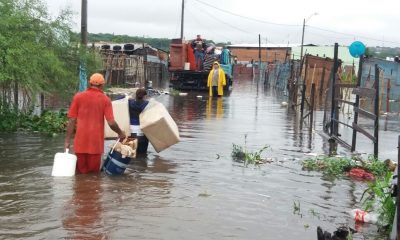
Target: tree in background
[38, 53]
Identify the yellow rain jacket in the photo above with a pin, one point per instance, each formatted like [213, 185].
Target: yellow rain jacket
[221, 81]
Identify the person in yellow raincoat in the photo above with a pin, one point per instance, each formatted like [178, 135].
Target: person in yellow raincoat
[216, 81]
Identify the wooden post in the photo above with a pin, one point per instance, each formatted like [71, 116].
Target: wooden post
[312, 106]
[333, 91]
[382, 91]
[376, 112]
[388, 96]
[321, 84]
[303, 91]
[259, 56]
[398, 190]
[357, 104]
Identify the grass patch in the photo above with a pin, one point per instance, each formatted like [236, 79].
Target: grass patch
[337, 166]
[242, 154]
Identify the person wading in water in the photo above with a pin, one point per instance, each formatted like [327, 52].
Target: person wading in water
[87, 112]
[216, 81]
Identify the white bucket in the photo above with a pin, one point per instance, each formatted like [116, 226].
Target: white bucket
[187, 66]
[64, 165]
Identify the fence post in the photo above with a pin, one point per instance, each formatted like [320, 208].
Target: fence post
[312, 105]
[333, 86]
[388, 96]
[376, 112]
[357, 104]
[321, 84]
[303, 91]
[398, 190]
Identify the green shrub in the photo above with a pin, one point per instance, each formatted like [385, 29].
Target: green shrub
[49, 122]
[380, 198]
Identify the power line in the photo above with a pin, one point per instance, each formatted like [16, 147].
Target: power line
[227, 24]
[354, 35]
[200, 23]
[248, 18]
[294, 25]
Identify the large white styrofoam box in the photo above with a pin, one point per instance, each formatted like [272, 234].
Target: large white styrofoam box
[158, 126]
[121, 116]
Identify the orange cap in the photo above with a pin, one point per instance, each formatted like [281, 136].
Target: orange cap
[96, 79]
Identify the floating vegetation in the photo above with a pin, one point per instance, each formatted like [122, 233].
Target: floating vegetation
[242, 154]
[377, 197]
[337, 166]
[205, 194]
[174, 92]
[296, 207]
[314, 213]
[306, 226]
[381, 200]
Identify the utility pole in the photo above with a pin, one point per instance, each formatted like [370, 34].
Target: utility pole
[302, 39]
[84, 32]
[84, 42]
[302, 35]
[259, 57]
[182, 18]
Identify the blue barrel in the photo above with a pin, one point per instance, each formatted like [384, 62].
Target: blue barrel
[115, 164]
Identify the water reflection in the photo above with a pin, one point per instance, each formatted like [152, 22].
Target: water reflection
[214, 108]
[83, 217]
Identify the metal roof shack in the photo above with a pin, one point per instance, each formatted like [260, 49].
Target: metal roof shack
[269, 52]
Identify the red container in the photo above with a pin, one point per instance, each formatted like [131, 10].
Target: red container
[191, 58]
[178, 55]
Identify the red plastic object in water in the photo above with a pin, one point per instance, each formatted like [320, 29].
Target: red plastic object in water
[360, 173]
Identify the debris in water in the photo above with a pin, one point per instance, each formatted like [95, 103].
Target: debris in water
[205, 194]
[342, 233]
[263, 195]
[312, 154]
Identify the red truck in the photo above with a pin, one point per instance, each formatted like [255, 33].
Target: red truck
[182, 67]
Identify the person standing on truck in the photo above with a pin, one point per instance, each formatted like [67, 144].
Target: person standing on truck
[199, 47]
[216, 81]
[136, 106]
[87, 112]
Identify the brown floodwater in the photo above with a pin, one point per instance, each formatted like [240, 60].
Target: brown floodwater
[194, 190]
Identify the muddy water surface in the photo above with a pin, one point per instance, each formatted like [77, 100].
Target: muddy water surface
[191, 191]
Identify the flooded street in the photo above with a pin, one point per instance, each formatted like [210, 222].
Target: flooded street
[194, 190]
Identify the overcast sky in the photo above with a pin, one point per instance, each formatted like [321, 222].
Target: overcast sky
[278, 22]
